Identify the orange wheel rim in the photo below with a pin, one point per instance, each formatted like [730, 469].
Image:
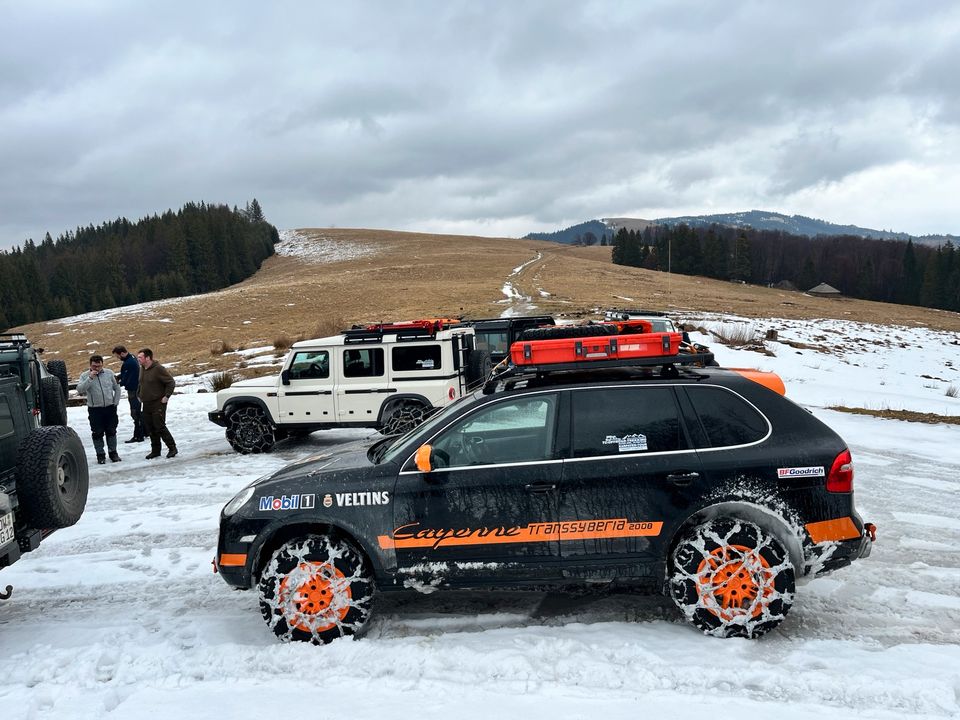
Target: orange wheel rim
[315, 596]
[735, 582]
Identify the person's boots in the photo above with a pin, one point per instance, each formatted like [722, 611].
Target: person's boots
[134, 439]
[114, 457]
[101, 459]
[172, 452]
[154, 449]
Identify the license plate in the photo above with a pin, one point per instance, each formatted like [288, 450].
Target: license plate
[7, 533]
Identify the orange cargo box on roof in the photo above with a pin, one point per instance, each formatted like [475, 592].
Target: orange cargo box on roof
[606, 347]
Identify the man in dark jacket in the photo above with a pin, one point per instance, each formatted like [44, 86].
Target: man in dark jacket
[99, 385]
[156, 387]
[130, 381]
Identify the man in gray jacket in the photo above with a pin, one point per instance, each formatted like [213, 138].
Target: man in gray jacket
[102, 391]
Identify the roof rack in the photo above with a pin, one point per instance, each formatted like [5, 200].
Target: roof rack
[404, 330]
[668, 364]
[13, 339]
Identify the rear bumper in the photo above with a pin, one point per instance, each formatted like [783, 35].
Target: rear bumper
[834, 555]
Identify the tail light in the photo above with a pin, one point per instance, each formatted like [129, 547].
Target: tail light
[840, 479]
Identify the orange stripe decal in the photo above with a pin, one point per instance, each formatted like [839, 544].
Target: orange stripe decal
[832, 530]
[233, 560]
[413, 536]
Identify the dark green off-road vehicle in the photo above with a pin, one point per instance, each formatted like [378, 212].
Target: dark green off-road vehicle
[43, 468]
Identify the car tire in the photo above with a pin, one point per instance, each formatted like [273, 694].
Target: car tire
[479, 366]
[731, 578]
[316, 589]
[249, 430]
[402, 416]
[562, 332]
[52, 477]
[58, 368]
[53, 407]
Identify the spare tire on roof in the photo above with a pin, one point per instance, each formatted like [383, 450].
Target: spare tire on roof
[562, 332]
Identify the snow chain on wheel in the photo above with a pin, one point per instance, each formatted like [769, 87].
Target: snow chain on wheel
[249, 430]
[403, 416]
[52, 479]
[316, 589]
[53, 407]
[731, 578]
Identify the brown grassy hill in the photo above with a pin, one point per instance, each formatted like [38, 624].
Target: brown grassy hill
[369, 275]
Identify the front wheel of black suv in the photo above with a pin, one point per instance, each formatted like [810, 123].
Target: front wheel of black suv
[316, 589]
[731, 578]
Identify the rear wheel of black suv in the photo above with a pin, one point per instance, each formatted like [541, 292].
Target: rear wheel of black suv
[249, 430]
[316, 589]
[731, 578]
[52, 477]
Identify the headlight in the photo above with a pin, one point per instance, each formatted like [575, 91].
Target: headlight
[238, 501]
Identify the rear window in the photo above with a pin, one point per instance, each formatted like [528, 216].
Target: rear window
[726, 417]
[618, 421]
[405, 358]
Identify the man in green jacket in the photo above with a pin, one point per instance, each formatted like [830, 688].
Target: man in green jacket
[156, 387]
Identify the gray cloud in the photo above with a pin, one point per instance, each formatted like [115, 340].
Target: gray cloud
[515, 116]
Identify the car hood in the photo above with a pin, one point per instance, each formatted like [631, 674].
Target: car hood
[348, 456]
[257, 382]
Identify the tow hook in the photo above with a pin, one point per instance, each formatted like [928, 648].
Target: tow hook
[6, 593]
[215, 568]
[871, 530]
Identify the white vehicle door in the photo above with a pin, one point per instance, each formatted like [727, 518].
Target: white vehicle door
[362, 384]
[308, 398]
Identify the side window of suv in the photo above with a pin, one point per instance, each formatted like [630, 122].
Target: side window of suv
[310, 365]
[617, 421]
[416, 357]
[726, 417]
[518, 430]
[363, 362]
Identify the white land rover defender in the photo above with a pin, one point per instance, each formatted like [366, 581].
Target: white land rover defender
[386, 376]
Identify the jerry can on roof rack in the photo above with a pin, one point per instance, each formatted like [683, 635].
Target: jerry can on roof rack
[607, 347]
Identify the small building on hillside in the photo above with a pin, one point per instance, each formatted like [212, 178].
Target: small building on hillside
[824, 290]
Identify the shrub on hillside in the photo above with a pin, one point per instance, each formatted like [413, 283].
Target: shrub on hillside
[220, 381]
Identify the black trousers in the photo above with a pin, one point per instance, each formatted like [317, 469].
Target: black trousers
[136, 413]
[103, 421]
[155, 423]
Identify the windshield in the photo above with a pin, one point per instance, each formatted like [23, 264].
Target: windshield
[389, 449]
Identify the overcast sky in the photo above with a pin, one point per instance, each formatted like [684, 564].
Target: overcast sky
[479, 117]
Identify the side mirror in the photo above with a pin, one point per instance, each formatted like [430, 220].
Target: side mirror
[285, 377]
[423, 458]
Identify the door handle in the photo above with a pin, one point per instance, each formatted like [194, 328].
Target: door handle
[682, 479]
[540, 487]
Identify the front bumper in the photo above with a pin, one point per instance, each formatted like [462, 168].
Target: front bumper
[217, 417]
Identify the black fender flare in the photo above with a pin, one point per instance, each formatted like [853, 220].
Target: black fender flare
[394, 399]
[235, 403]
[788, 530]
[279, 532]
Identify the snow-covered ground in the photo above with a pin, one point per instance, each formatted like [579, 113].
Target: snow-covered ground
[121, 616]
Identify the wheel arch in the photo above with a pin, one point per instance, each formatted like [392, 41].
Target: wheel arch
[393, 400]
[281, 534]
[241, 401]
[764, 517]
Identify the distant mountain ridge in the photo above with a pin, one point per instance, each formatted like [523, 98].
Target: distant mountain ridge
[756, 219]
[793, 224]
